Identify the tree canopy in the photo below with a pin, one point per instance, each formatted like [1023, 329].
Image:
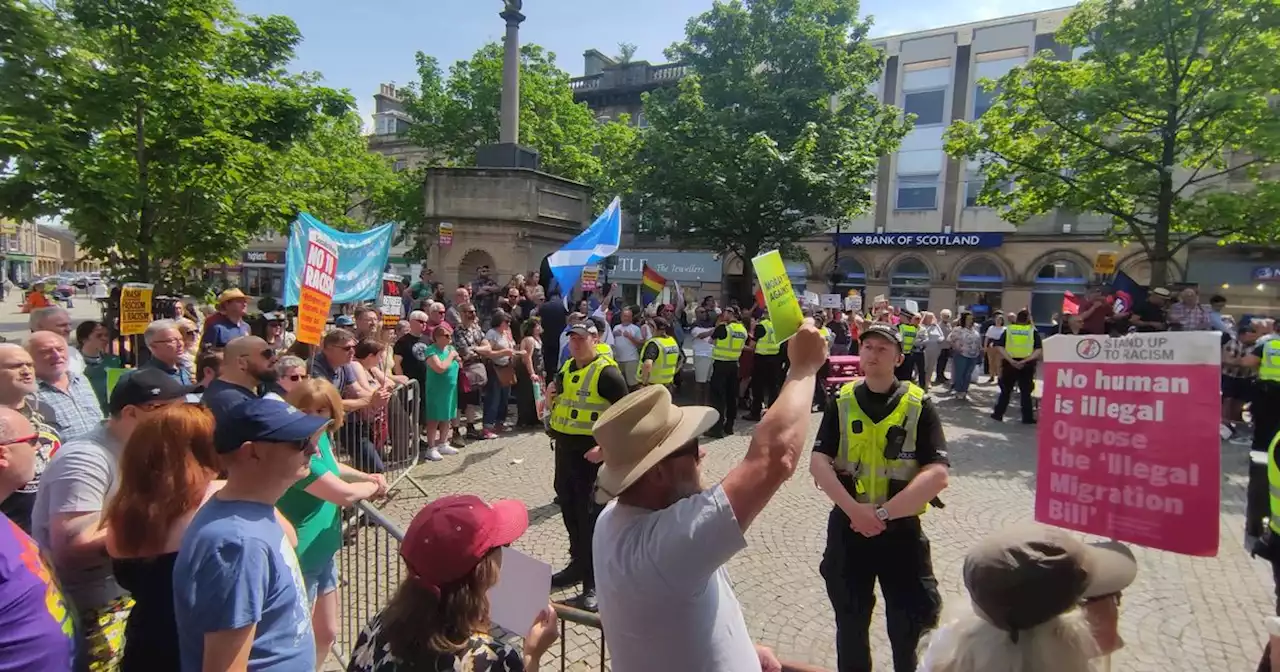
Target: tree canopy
[456, 116]
[775, 133]
[1164, 123]
[166, 135]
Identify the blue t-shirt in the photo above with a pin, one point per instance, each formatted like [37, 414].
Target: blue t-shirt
[179, 374]
[220, 331]
[36, 630]
[221, 396]
[236, 568]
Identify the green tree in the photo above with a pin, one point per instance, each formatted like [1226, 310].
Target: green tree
[626, 52]
[773, 135]
[167, 134]
[1165, 124]
[456, 116]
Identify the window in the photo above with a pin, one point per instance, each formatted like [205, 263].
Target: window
[909, 279]
[399, 165]
[926, 105]
[993, 65]
[983, 99]
[973, 188]
[918, 192]
[849, 274]
[979, 284]
[1053, 281]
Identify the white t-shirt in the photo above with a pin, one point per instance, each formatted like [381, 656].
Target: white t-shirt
[994, 332]
[623, 349]
[665, 598]
[702, 346]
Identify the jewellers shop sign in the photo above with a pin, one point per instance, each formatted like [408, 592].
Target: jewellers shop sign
[925, 240]
[681, 266]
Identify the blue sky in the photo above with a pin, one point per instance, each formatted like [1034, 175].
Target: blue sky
[358, 45]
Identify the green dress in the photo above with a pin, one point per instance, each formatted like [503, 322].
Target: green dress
[319, 523]
[440, 400]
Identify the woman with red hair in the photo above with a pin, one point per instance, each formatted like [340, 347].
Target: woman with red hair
[167, 471]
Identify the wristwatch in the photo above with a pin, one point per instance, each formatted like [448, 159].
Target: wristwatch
[882, 514]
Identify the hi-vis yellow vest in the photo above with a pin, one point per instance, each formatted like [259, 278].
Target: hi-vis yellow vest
[579, 404]
[908, 332]
[729, 348]
[863, 442]
[769, 344]
[667, 364]
[1269, 368]
[1273, 480]
[1020, 340]
[604, 350]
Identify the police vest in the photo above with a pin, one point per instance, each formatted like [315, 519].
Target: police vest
[863, 443]
[908, 332]
[1269, 368]
[604, 350]
[769, 344]
[1020, 340]
[729, 348]
[667, 364]
[1273, 480]
[826, 333]
[579, 404]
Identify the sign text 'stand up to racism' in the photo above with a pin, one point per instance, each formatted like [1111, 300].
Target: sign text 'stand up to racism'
[319, 273]
[1128, 439]
[135, 308]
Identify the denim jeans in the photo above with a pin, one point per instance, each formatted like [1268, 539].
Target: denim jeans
[496, 398]
[963, 373]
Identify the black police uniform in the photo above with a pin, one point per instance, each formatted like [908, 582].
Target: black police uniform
[899, 556]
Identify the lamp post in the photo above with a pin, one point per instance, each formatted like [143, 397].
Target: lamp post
[835, 264]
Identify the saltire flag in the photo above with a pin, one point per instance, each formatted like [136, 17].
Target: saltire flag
[598, 241]
[651, 285]
[1070, 304]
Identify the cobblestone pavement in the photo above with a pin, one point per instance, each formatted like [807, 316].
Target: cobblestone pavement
[1183, 613]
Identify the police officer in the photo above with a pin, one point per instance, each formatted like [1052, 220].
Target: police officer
[768, 371]
[881, 457]
[660, 356]
[1019, 348]
[912, 357]
[727, 343]
[1268, 547]
[586, 385]
[1264, 407]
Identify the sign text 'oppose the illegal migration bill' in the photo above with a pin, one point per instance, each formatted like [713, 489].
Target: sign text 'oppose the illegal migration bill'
[1128, 439]
[319, 273]
[135, 308]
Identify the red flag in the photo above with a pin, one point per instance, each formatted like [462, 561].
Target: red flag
[1070, 304]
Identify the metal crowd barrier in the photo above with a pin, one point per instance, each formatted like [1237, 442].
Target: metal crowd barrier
[370, 570]
[402, 447]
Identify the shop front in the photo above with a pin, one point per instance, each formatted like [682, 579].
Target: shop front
[699, 273]
[262, 273]
[1248, 279]
[17, 268]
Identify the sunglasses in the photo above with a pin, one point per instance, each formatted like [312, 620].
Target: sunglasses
[348, 348]
[297, 376]
[30, 440]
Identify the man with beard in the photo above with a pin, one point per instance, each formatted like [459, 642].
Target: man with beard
[18, 392]
[661, 547]
[248, 363]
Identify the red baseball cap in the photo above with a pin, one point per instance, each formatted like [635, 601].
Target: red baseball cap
[451, 535]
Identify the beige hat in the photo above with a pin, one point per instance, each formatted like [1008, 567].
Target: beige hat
[230, 295]
[639, 431]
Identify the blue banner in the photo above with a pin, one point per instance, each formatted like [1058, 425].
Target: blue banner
[926, 240]
[361, 259]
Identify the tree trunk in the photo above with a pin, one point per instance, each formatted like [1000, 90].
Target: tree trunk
[146, 235]
[1159, 252]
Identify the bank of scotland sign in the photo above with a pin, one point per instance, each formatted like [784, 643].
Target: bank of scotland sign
[926, 240]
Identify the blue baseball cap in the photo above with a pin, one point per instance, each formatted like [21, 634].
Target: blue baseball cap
[264, 420]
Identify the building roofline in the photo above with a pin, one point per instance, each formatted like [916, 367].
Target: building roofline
[971, 24]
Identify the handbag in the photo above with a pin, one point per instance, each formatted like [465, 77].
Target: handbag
[476, 375]
[506, 374]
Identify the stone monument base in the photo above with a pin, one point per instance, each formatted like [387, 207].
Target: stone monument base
[507, 155]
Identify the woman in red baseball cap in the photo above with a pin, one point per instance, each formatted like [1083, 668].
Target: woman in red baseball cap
[439, 617]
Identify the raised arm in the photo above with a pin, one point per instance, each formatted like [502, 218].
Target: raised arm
[778, 441]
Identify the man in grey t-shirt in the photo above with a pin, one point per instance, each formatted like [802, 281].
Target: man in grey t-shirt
[660, 549]
[74, 490]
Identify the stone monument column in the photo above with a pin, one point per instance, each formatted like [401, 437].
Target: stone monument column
[509, 132]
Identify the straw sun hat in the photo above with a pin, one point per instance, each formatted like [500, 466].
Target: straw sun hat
[639, 431]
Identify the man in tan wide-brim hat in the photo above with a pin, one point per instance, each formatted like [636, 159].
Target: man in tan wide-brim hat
[661, 545]
[228, 324]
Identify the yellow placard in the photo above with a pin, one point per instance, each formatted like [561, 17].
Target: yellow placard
[135, 308]
[113, 377]
[779, 295]
[1104, 263]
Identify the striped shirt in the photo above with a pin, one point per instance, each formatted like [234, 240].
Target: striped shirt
[1235, 349]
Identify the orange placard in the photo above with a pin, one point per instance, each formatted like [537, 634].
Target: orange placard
[318, 278]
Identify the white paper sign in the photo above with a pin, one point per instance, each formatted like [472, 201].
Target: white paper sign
[911, 306]
[523, 590]
[811, 298]
[853, 303]
[830, 300]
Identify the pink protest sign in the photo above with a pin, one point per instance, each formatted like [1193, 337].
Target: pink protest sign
[1129, 445]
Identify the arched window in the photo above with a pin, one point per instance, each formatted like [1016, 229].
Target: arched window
[1053, 281]
[909, 279]
[849, 274]
[979, 285]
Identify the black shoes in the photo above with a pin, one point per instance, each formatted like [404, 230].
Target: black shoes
[586, 601]
[569, 576]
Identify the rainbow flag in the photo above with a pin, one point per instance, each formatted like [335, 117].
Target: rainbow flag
[651, 285]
